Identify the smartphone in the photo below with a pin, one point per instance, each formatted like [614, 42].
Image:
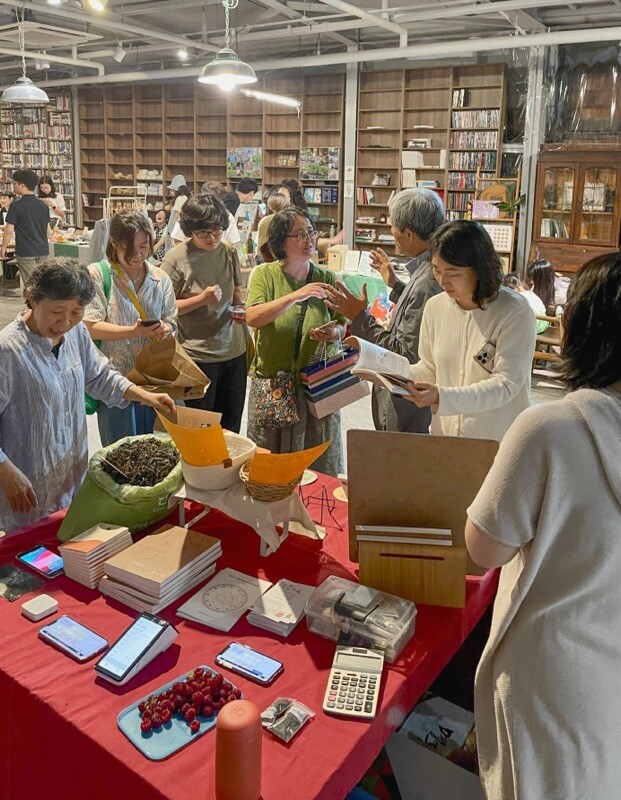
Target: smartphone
[250, 663]
[73, 638]
[326, 325]
[132, 646]
[42, 561]
[149, 322]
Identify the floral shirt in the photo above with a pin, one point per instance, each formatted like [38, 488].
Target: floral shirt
[157, 297]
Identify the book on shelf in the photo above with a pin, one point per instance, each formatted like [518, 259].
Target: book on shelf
[488, 118]
[365, 234]
[461, 98]
[419, 144]
[379, 366]
[365, 197]
[408, 179]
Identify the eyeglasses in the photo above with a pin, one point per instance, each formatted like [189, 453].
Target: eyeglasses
[302, 236]
[213, 233]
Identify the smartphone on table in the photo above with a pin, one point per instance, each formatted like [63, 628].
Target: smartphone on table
[250, 663]
[42, 560]
[73, 638]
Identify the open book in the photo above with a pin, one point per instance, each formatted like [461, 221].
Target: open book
[381, 367]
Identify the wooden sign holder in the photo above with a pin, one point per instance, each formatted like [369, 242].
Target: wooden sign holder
[400, 483]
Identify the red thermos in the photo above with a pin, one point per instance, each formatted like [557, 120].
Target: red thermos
[238, 752]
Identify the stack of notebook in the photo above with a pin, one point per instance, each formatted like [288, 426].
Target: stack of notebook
[84, 555]
[281, 608]
[330, 385]
[158, 569]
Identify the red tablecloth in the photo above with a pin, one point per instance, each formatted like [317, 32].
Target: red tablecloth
[58, 734]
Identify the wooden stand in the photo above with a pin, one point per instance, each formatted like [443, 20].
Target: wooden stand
[401, 480]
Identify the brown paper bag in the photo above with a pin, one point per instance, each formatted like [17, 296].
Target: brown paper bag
[165, 368]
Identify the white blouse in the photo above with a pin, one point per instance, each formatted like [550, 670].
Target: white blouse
[481, 402]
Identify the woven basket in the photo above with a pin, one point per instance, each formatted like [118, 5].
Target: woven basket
[267, 492]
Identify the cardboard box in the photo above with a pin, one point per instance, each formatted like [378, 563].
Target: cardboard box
[423, 774]
[336, 257]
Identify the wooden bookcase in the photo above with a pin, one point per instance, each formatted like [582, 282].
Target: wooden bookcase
[187, 128]
[40, 138]
[448, 109]
[577, 204]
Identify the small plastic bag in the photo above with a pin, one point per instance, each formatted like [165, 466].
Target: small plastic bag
[285, 717]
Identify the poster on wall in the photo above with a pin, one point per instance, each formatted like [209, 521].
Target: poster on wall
[319, 163]
[244, 162]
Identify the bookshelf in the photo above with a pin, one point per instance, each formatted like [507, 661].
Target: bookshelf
[153, 132]
[413, 130]
[40, 138]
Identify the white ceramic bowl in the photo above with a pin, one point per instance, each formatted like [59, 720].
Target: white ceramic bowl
[218, 477]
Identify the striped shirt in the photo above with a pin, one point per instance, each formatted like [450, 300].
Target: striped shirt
[42, 417]
[157, 298]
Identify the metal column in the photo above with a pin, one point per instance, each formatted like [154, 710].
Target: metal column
[533, 138]
[349, 153]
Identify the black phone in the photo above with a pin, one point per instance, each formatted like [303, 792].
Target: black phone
[149, 322]
[250, 663]
[42, 560]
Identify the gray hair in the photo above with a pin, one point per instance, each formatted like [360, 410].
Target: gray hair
[60, 278]
[420, 210]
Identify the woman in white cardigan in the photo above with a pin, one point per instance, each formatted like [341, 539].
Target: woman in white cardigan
[476, 342]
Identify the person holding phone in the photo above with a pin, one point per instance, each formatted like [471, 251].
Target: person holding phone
[477, 339]
[48, 361]
[208, 286]
[140, 309]
[53, 200]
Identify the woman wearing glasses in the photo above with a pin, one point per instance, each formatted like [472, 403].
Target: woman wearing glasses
[207, 281]
[286, 306]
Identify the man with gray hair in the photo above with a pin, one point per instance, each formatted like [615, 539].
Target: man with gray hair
[414, 214]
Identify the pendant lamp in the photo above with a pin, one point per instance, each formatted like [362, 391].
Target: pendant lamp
[226, 71]
[23, 91]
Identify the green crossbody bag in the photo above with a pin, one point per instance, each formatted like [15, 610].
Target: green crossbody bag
[90, 403]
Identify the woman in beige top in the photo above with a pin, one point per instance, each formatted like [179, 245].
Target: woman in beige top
[547, 698]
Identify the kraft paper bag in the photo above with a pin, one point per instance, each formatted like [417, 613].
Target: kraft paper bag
[165, 368]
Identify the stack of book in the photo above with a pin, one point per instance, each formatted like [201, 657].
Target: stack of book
[281, 608]
[160, 568]
[84, 555]
[329, 384]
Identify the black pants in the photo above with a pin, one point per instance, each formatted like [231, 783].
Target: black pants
[227, 390]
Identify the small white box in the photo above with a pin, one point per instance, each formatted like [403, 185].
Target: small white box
[39, 607]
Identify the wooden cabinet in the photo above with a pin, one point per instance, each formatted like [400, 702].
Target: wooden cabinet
[577, 204]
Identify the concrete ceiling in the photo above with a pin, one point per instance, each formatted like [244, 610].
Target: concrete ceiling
[268, 31]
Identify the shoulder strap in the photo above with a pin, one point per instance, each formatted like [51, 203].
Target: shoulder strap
[304, 307]
[107, 279]
[130, 293]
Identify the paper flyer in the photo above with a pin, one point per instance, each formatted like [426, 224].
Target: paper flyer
[279, 468]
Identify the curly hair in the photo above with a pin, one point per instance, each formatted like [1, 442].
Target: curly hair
[60, 278]
[280, 227]
[201, 212]
[592, 334]
[464, 243]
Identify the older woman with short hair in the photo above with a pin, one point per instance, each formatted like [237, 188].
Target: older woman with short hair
[549, 512]
[286, 306]
[477, 339]
[415, 215]
[48, 361]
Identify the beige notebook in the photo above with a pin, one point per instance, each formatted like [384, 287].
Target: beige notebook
[160, 557]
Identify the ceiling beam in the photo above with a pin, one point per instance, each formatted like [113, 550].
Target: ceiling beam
[454, 10]
[74, 62]
[276, 5]
[169, 5]
[360, 13]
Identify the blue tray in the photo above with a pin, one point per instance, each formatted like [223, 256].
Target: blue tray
[171, 737]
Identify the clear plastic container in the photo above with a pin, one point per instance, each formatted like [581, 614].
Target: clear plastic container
[366, 616]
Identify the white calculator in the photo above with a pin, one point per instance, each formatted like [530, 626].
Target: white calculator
[354, 682]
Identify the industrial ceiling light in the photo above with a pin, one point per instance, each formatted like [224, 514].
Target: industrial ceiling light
[98, 5]
[226, 71]
[119, 54]
[41, 63]
[273, 98]
[55, 2]
[23, 91]
[183, 54]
